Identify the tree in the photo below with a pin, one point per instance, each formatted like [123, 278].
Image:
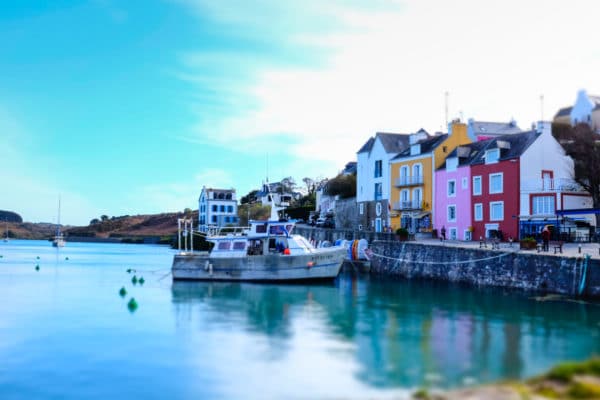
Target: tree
[582, 144]
[311, 185]
[342, 185]
[252, 211]
[287, 185]
[94, 221]
[249, 198]
[104, 217]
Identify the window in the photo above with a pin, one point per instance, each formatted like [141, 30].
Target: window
[465, 183]
[417, 197]
[215, 208]
[378, 191]
[492, 156]
[451, 164]
[214, 219]
[478, 212]
[378, 169]
[230, 209]
[239, 245]
[468, 235]
[224, 245]
[417, 174]
[415, 149]
[404, 175]
[496, 211]
[476, 185]
[451, 213]
[496, 183]
[451, 188]
[453, 234]
[361, 208]
[542, 205]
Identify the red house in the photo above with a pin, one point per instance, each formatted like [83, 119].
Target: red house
[495, 186]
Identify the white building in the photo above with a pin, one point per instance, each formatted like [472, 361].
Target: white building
[373, 177]
[216, 208]
[547, 185]
[585, 110]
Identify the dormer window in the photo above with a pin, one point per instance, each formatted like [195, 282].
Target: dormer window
[415, 149]
[492, 156]
[451, 164]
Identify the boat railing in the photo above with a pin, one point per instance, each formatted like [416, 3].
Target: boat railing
[209, 231]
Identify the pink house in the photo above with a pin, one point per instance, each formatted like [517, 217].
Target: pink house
[453, 210]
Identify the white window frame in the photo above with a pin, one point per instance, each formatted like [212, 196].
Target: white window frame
[417, 177]
[501, 175]
[417, 199]
[451, 182]
[480, 206]
[452, 233]
[361, 208]
[492, 203]
[467, 235]
[492, 156]
[535, 210]
[477, 178]
[448, 213]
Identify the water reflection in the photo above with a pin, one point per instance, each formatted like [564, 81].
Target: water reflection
[405, 333]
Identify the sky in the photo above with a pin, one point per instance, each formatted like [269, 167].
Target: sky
[130, 107]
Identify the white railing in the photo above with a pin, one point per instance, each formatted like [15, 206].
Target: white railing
[409, 180]
[407, 205]
[550, 185]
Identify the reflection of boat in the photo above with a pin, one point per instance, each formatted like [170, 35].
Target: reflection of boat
[59, 239]
[266, 251]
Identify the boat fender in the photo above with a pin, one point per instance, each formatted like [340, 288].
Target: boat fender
[310, 264]
[286, 252]
[206, 265]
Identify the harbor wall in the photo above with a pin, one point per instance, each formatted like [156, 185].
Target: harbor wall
[572, 276]
[319, 234]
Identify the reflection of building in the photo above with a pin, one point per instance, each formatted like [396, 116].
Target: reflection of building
[216, 208]
[373, 177]
[412, 178]
[585, 110]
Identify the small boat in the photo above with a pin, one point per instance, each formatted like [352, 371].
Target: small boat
[265, 251]
[59, 239]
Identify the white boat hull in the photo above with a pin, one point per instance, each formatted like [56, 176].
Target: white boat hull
[322, 264]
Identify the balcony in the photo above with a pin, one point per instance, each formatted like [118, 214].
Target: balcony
[550, 185]
[407, 205]
[404, 181]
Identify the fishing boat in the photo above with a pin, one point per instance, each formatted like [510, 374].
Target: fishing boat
[264, 251]
[59, 239]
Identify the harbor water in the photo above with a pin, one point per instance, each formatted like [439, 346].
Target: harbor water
[67, 333]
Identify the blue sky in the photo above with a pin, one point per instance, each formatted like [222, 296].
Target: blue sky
[130, 107]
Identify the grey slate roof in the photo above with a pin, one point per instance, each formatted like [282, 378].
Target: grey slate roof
[519, 142]
[473, 148]
[367, 146]
[427, 146]
[494, 128]
[566, 111]
[393, 143]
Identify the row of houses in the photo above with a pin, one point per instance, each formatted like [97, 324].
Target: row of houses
[476, 181]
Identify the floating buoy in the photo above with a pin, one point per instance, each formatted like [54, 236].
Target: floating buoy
[141, 281]
[37, 267]
[130, 270]
[38, 257]
[134, 280]
[66, 258]
[123, 292]
[132, 305]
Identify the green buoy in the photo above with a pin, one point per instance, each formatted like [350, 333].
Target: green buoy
[37, 267]
[132, 305]
[67, 258]
[134, 280]
[142, 280]
[122, 292]
[38, 257]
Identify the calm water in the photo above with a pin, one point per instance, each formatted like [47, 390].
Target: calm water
[65, 333]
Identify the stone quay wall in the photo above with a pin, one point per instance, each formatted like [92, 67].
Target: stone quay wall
[332, 235]
[572, 276]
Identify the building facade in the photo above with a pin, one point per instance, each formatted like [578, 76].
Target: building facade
[216, 208]
[585, 110]
[373, 177]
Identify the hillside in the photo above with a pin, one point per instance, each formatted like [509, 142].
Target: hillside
[126, 228]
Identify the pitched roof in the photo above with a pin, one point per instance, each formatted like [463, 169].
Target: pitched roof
[367, 146]
[494, 128]
[427, 145]
[393, 142]
[519, 142]
[563, 112]
[473, 150]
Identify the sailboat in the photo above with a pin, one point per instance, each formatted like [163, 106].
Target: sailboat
[59, 239]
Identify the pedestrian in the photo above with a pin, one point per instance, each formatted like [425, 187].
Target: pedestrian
[443, 231]
[546, 238]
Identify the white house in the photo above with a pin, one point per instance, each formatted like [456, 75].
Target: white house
[547, 185]
[585, 110]
[216, 208]
[373, 177]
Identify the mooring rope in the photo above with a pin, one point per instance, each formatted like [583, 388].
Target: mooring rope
[440, 262]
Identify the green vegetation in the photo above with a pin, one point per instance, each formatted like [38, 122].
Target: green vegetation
[342, 185]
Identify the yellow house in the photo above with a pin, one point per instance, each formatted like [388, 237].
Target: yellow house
[412, 175]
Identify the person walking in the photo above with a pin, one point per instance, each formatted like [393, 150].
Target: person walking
[546, 238]
[443, 232]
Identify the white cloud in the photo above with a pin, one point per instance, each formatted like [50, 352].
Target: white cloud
[388, 70]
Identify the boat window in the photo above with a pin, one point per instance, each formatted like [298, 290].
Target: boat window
[261, 228]
[224, 245]
[277, 230]
[239, 245]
